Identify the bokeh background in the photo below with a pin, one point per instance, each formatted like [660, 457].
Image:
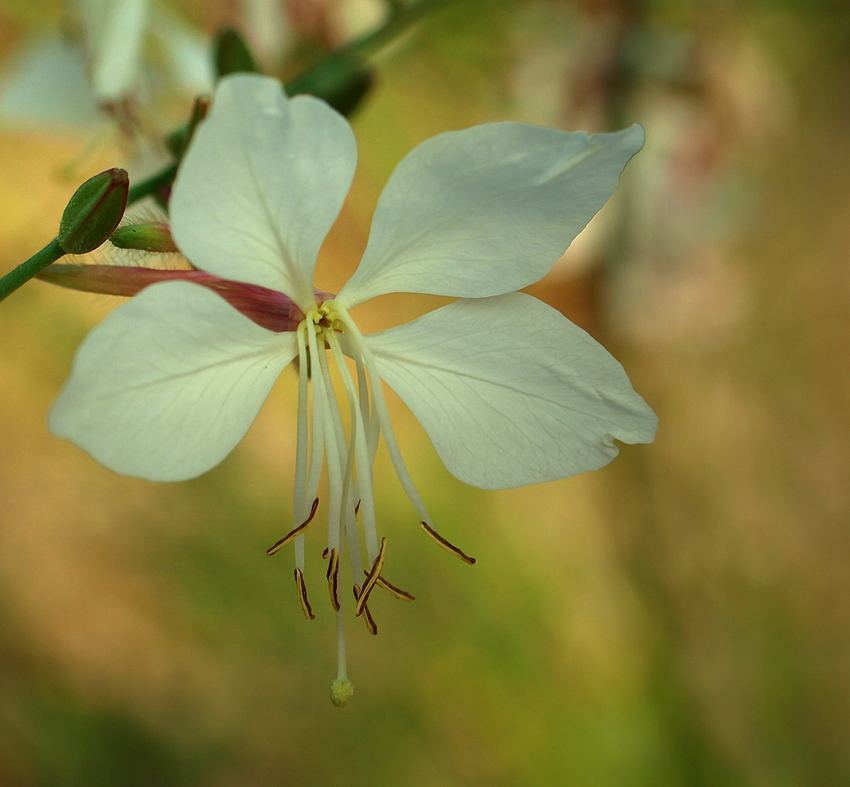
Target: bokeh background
[677, 618]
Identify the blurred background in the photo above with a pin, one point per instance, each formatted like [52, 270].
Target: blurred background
[677, 618]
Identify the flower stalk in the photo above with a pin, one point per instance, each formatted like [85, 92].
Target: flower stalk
[26, 270]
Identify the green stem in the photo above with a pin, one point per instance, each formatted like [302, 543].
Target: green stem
[400, 19]
[152, 184]
[26, 270]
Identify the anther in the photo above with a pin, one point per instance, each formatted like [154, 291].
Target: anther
[396, 591]
[333, 578]
[370, 621]
[364, 610]
[302, 595]
[447, 545]
[371, 578]
[294, 532]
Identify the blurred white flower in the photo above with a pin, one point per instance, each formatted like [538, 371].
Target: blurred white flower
[113, 58]
[509, 391]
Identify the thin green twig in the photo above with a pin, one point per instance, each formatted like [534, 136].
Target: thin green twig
[26, 270]
[152, 184]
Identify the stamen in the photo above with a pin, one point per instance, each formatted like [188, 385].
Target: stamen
[334, 436]
[301, 491]
[367, 408]
[447, 545]
[333, 578]
[358, 448]
[370, 621]
[325, 552]
[302, 595]
[371, 579]
[346, 520]
[317, 421]
[278, 545]
[367, 615]
[382, 413]
[395, 590]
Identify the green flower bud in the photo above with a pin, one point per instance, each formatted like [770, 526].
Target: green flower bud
[94, 212]
[178, 140]
[342, 81]
[232, 54]
[152, 236]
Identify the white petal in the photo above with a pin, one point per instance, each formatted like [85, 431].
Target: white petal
[188, 51]
[487, 210]
[47, 83]
[511, 392]
[261, 185]
[114, 37]
[169, 383]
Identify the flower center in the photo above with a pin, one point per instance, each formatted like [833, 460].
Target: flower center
[327, 321]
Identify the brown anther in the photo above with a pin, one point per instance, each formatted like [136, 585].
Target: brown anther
[370, 621]
[302, 595]
[371, 578]
[295, 531]
[396, 591]
[333, 579]
[364, 611]
[447, 545]
[325, 552]
[357, 508]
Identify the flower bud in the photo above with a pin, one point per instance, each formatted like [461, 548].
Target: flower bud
[232, 54]
[178, 140]
[152, 236]
[342, 81]
[94, 212]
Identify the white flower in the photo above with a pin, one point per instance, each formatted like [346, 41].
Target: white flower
[509, 390]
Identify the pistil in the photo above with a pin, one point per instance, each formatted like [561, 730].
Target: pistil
[322, 439]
